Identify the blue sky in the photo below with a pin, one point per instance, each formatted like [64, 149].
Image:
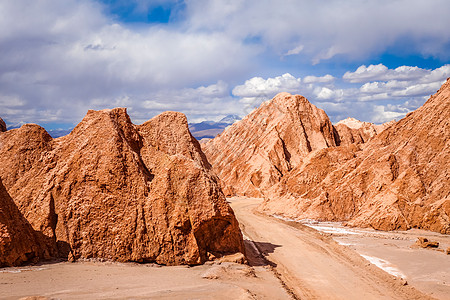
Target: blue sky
[371, 60]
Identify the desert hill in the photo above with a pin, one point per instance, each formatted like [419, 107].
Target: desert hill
[114, 190]
[255, 153]
[399, 180]
[390, 176]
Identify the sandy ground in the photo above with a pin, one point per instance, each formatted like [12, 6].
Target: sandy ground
[287, 260]
[99, 280]
[312, 265]
[426, 269]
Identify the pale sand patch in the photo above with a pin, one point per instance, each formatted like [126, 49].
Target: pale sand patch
[100, 280]
[311, 264]
[426, 269]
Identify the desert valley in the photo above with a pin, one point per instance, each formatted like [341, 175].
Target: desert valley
[281, 205]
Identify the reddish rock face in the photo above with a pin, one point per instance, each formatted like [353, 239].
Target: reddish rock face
[255, 153]
[399, 180]
[114, 190]
[2, 125]
[353, 131]
[19, 243]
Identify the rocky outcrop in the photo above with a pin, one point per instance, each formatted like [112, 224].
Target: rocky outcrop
[352, 131]
[2, 125]
[117, 191]
[399, 180]
[255, 153]
[425, 243]
[19, 243]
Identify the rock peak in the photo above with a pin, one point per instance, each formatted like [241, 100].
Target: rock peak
[398, 180]
[2, 125]
[256, 152]
[118, 191]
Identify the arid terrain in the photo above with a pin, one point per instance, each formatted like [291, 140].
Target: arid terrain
[117, 210]
[287, 260]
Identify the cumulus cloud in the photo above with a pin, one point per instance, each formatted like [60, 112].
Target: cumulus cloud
[405, 89]
[382, 73]
[68, 57]
[60, 58]
[258, 86]
[322, 79]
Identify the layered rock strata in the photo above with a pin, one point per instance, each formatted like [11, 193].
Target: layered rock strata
[256, 153]
[117, 191]
[400, 179]
[352, 131]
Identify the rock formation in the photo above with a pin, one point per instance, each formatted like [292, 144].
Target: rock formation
[400, 179]
[19, 243]
[117, 191]
[2, 125]
[255, 153]
[425, 243]
[352, 131]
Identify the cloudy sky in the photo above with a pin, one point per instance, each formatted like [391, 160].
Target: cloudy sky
[372, 60]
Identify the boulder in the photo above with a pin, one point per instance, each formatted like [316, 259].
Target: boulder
[425, 243]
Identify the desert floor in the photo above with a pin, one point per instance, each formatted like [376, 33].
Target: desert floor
[287, 260]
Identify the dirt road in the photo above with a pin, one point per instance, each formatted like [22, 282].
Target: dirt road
[312, 265]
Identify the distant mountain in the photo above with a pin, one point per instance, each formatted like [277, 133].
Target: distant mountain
[230, 119]
[56, 133]
[210, 129]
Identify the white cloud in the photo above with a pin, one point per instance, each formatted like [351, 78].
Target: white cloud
[382, 114]
[295, 51]
[382, 73]
[328, 94]
[69, 57]
[322, 79]
[60, 58]
[258, 86]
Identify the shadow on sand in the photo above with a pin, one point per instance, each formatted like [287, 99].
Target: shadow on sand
[257, 252]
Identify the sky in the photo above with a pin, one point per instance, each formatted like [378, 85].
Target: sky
[372, 60]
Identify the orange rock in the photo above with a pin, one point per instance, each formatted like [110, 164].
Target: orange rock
[352, 131]
[2, 125]
[398, 180]
[255, 153]
[19, 243]
[117, 191]
[425, 243]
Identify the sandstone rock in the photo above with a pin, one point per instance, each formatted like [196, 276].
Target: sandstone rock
[400, 178]
[18, 241]
[255, 153]
[351, 131]
[2, 125]
[238, 258]
[448, 251]
[425, 243]
[117, 191]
